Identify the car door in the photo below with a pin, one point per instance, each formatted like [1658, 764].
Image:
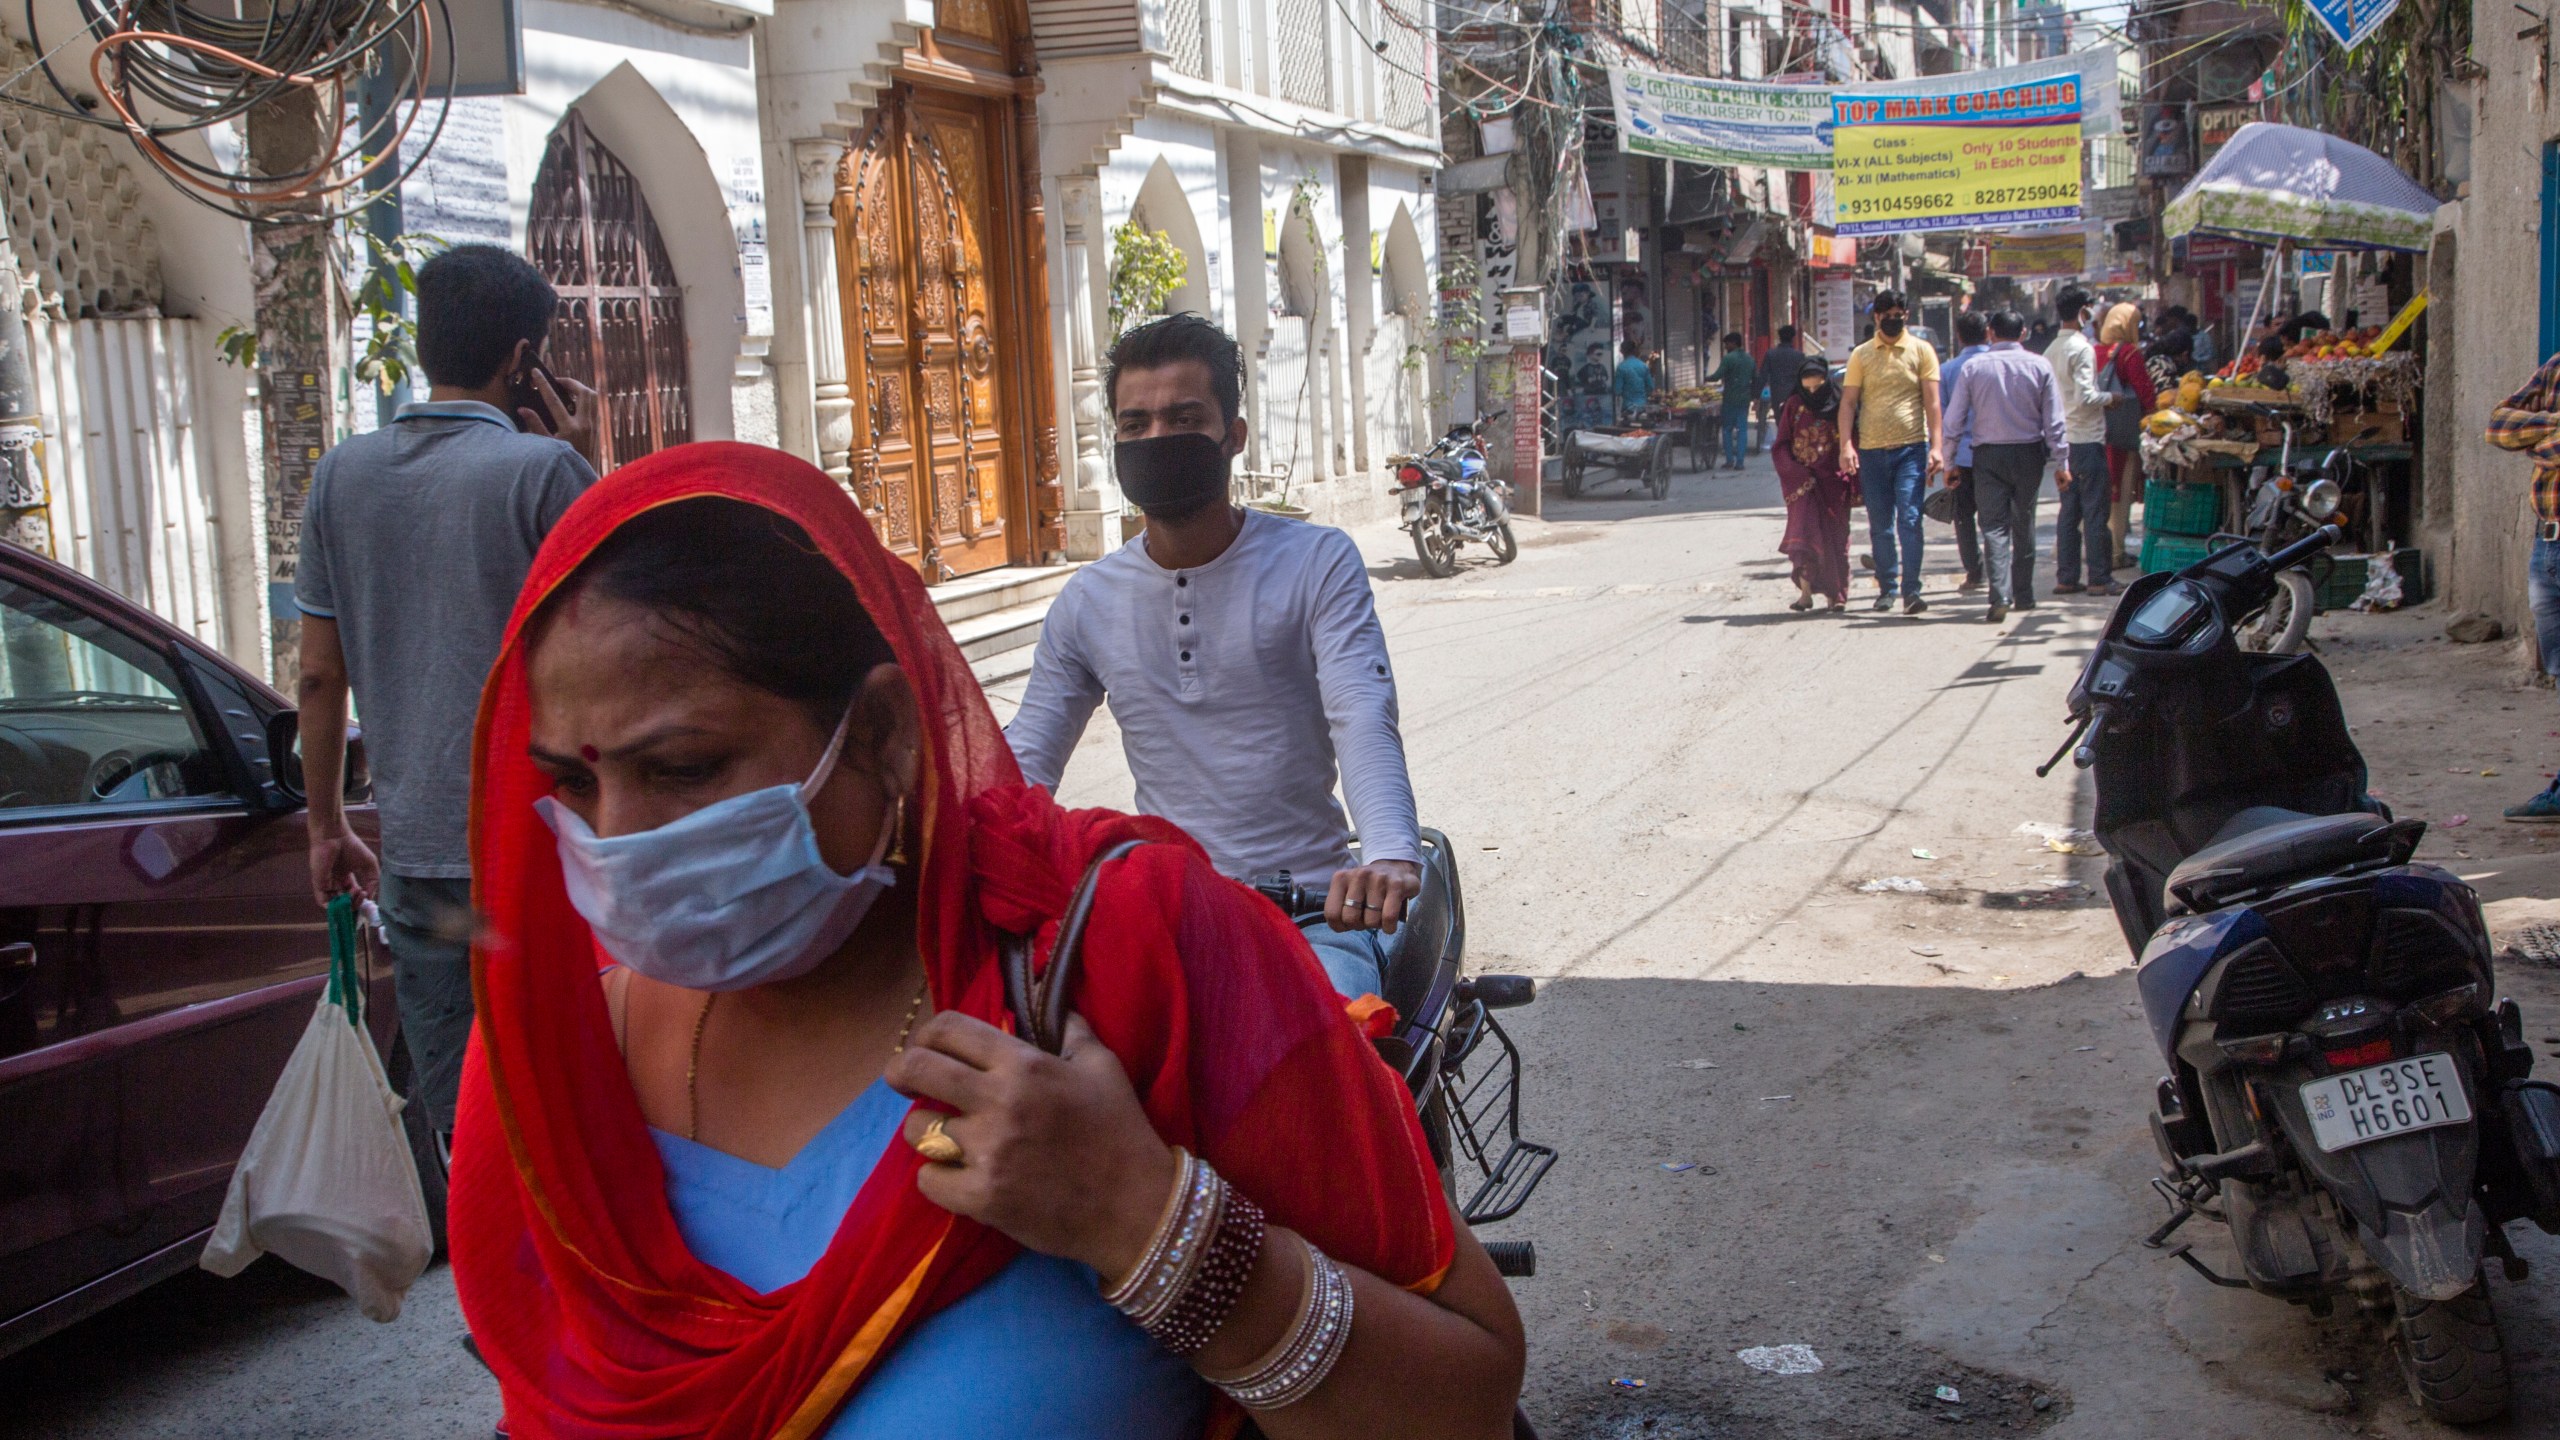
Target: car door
[159, 950]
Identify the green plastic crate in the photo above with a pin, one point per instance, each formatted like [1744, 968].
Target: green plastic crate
[2181, 509]
[2171, 552]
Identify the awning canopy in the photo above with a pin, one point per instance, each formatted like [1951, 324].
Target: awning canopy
[2275, 183]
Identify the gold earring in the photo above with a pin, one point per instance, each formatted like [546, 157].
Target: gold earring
[898, 830]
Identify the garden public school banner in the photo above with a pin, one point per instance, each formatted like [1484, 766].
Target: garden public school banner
[1719, 122]
[1960, 160]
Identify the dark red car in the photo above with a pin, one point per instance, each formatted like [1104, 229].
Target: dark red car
[160, 953]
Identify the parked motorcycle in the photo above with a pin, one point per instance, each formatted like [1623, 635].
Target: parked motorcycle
[2343, 1092]
[1449, 499]
[2284, 502]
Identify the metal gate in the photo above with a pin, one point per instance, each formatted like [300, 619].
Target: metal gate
[620, 327]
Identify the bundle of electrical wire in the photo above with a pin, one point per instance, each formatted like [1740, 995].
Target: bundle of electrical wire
[209, 66]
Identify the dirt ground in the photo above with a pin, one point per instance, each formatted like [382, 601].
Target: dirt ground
[1904, 1129]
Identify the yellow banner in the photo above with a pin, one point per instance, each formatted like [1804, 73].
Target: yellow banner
[2400, 324]
[1895, 178]
[2039, 253]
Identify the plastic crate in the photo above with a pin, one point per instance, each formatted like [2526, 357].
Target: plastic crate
[2171, 552]
[2341, 581]
[2181, 509]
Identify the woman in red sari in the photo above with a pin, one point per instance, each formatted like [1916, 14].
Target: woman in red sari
[786, 1171]
[1807, 451]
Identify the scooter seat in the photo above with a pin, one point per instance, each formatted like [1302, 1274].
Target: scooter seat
[2265, 846]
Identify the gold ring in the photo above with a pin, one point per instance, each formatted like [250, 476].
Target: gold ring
[936, 1144]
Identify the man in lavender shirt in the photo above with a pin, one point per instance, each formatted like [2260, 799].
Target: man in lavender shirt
[2006, 399]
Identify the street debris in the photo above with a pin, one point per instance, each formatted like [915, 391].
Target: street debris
[1627, 1382]
[1937, 1259]
[2062, 839]
[1780, 1359]
[1918, 853]
[1777, 1097]
[1677, 1166]
[2537, 943]
[1694, 1065]
[1950, 1394]
[1927, 950]
[1896, 884]
[2455, 821]
[2076, 1049]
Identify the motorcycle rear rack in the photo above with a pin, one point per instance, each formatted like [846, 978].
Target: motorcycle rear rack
[1485, 1113]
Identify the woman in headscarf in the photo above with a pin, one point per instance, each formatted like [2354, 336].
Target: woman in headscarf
[2120, 352]
[784, 1169]
[1807, 452]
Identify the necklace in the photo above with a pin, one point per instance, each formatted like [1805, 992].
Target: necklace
[702, 1021]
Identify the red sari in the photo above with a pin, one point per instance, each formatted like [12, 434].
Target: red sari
[597, 1319]
[1807, 451]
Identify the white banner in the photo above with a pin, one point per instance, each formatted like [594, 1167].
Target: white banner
[1722, 122]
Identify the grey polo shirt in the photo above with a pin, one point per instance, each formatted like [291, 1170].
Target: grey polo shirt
[416, 539]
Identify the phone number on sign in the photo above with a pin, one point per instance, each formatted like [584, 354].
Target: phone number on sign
[1897, 204]
[2027, 194]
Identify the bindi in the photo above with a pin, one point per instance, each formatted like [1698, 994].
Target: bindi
[590, 754]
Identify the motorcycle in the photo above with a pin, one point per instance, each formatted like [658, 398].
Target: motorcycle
[2343, 1093]
[1448, 499]
[2286, 501]
[1446, 1025]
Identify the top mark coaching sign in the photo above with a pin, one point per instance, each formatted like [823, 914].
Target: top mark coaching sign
[1965, 161]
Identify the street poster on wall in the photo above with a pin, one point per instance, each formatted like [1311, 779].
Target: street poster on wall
[1722, 122]
[2036, 254]
[1835, 317]
[1962, 160]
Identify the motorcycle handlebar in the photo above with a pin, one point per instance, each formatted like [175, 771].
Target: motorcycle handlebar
[2304, 548]
[1297, 901]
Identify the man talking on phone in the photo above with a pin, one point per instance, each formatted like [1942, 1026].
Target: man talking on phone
[414, 543]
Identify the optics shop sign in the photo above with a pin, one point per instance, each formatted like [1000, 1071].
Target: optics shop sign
[1957, 161]
[1716, 122]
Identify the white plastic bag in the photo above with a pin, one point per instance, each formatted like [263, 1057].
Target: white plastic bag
[327, 1182]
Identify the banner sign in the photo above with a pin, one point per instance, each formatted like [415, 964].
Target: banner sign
[1717, 122]
[2036, 254]
[1962, 160]
[2351, 22]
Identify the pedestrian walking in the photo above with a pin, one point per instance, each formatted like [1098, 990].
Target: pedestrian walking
[1889, 423]
[786, 1167]
[1972, 338]
[1741, 381]
[2529, 421]
[1806, 450]
[2123, 372]
[2007, 400]
[2040, 335]
[415, 540]
[2080, 520]
[1778, 367]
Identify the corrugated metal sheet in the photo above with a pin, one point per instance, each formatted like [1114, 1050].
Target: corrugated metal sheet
[129, 470]
[1063, 29]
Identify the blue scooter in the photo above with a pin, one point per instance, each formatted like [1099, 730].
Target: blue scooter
[2344, 1091]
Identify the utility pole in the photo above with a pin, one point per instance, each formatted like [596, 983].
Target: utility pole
[299, 347]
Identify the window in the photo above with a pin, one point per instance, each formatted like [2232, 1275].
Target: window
[89, 716]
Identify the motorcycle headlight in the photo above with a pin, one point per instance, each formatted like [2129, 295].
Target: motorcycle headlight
[2321, 500]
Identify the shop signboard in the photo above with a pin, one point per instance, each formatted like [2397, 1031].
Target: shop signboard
[1962, 160]
[2166, 151]
[2036, 254]
[1721, 122]
[2351, 22]
[2216, 124]
[1835, 317]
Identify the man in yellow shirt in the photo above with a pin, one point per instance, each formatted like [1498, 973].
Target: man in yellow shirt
[1889, 435]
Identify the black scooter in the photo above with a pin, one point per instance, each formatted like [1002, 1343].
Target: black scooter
[2343, 1092]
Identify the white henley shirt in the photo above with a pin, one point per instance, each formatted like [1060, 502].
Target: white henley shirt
[1238, 686]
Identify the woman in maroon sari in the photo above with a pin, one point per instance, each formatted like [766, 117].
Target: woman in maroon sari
[1807, 451]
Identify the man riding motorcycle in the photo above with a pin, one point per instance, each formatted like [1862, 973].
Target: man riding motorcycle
[1240, 653]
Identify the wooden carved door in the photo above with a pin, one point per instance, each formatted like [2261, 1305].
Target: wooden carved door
[920, 226]
[620, 325]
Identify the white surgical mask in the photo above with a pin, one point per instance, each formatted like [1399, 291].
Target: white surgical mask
[731, 896]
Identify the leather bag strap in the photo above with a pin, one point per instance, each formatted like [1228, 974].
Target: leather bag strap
[1040, 1000]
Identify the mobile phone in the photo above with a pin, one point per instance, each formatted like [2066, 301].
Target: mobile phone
[524, 397]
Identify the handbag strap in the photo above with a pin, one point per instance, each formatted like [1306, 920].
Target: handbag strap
[346, 986]
[1039, 1000]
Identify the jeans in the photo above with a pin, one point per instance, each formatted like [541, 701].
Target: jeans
[428, 922]
[2542, 590]
[1737, 436]
[2005, 481]
[2080, 520]
[1354, 960]
[1892, 480]
[1968, 532]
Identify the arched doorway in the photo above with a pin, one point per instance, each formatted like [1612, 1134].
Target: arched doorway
[620, 326]
[1161, 206]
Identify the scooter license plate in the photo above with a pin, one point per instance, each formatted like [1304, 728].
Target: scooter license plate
[2361, 1106]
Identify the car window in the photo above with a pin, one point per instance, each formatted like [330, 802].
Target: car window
[89, 715]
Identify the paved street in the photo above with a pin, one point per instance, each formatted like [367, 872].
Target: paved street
[1915, 1119]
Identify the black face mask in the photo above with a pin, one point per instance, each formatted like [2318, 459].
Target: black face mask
[1172, 476]
[1889, 327]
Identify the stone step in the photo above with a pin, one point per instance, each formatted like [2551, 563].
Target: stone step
[1001, 633]
[992, 590]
